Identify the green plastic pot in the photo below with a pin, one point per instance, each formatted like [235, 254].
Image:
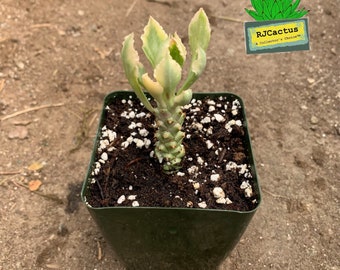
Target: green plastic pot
[170, 238]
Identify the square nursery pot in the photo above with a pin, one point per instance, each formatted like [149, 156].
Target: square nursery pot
[170, 237]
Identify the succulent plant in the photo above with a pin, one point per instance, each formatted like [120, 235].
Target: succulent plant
[266, 10]
[167, 54]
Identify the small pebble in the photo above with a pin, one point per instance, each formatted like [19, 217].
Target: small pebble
[337, 130]
[62, 230]
[314, 120]
[311, 80]
[18, 132]
[20, 65]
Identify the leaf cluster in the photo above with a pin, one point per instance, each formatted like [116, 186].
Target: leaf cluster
[166, 54]
[266, 10]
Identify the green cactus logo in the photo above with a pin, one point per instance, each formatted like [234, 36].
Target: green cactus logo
[266, 10]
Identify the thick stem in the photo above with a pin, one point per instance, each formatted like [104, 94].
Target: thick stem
[169, 149]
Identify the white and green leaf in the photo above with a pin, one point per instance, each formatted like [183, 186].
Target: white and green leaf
[168, 73]
[155, 42]
[184, 98]
[154, 88]
[197, 67]
[134, 69]
[199, 31]
[177, 49]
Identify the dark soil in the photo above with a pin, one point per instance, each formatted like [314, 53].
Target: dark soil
[133, 167]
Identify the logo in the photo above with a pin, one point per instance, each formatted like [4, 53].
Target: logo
[278, 27]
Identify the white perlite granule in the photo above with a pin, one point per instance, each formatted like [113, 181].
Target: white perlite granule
[121, 199]
[200, 160]
[228, 201]
[211, 102]
[141, 115]
[219, 118]
[218, 192]
[132, 114]
[238, 123]
[247, 189]
[229, 125]
[196, 185]
[231, 166]
[192, 170]
[234, 109]
[206, 120]
[104, 156]
[221, 200]
[143, 132]
[190, 204]
[139, 143]
[112, 135]
[132, 197]
[197, 126]
[214, 177]
[135, 204]
[209, 144]
[224, 201]
[103, 144]
[202, 205]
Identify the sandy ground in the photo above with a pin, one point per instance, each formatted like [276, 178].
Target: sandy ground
[58, 59]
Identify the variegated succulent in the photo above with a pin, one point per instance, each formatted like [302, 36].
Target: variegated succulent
[167, 54]
[266, 10]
